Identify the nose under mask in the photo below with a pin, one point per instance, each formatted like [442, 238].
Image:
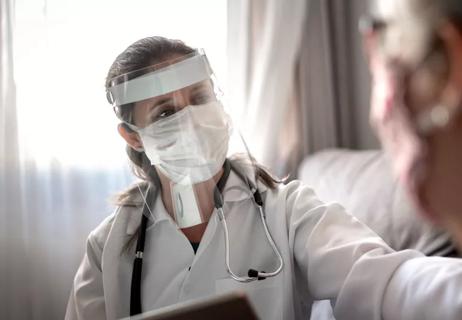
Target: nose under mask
[191, 143]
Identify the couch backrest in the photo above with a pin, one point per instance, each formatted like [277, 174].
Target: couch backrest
[363, 183]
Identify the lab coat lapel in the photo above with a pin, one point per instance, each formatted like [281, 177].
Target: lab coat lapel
[117, 263]
[234, 190]
[208, 236]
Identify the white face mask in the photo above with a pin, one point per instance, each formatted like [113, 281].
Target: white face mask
[190, 145]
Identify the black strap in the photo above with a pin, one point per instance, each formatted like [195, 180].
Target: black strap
[224, 177]
[218, 190]
[135, 291]
[135, 295]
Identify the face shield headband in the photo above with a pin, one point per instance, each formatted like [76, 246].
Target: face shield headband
[133, 87]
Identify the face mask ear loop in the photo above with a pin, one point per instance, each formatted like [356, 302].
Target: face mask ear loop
[253, 187]
[144, 200]
[132, 129]
[154, 179]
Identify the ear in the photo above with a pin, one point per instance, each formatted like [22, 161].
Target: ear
[452, 38]
[131, 137]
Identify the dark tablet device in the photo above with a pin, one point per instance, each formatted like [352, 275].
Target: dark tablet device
[229, 306]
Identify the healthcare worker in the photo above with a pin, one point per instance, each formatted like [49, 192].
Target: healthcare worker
[203, 223]
[417, 100]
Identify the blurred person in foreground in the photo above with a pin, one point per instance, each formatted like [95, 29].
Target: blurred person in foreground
[415, 57]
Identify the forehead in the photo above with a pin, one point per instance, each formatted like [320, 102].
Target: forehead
[392, 9]
[186, 92]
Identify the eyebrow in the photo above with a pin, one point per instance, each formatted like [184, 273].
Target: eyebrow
[159, 102]
[200, 87]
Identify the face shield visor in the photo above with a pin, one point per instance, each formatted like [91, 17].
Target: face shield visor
[185, 132]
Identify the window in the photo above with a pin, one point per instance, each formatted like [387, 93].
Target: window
[63, 50]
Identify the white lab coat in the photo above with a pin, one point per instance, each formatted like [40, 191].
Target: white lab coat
[327, 254]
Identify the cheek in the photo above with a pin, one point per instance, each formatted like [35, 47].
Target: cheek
[424, 91]
[140, 114]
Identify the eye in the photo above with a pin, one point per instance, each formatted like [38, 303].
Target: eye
[166, 113]
[162, 112]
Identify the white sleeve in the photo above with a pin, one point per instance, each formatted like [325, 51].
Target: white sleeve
[86, 300]
[425, 288]
[346, 262]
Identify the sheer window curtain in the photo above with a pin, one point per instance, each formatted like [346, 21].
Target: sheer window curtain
[12, 252]
[47, 206]
[263, 47]
[298, 75]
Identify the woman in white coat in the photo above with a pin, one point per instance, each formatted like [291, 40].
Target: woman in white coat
[177, 137]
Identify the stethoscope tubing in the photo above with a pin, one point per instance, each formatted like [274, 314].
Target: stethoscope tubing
[135, 291]
[258, 274]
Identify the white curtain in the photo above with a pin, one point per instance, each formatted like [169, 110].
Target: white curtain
[263, 49]
[12, 252]
[298, 78]
[46, 210]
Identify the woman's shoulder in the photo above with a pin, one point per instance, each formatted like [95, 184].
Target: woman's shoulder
[99, 234]
[291, 189]
[131, 197]
[294, 196]
[124, 219]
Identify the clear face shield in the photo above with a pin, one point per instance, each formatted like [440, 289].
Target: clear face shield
[185, 132]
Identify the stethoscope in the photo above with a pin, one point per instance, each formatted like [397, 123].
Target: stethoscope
[252, 275]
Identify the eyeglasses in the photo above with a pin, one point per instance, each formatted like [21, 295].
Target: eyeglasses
[371, 25]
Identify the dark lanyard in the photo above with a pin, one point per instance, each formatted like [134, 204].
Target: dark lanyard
[135, 294]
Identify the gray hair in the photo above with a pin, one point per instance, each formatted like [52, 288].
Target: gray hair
[410, 34]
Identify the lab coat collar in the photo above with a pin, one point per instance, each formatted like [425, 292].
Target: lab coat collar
[235, 190]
